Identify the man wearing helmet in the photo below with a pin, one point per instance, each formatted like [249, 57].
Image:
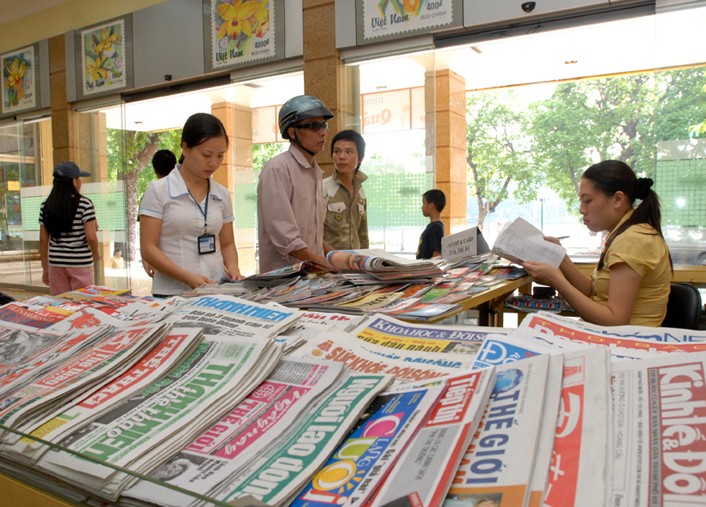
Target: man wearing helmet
[291, 206]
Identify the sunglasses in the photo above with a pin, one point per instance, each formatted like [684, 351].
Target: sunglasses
[314, 125]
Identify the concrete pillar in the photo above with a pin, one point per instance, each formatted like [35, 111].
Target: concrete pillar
[63, 117]
[446, 142]
[237, 170]
[323, 70]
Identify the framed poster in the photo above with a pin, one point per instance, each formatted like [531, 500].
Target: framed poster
[103, 58]
[394, 19]
[240, 31]
[19, 80]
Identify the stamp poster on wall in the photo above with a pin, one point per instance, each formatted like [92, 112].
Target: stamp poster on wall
[383, 18]
[19, 70]
[241, 31]
[103, 58]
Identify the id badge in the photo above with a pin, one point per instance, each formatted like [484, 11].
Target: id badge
[207, 244]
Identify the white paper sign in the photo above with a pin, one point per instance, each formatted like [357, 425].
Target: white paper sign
[463, 245]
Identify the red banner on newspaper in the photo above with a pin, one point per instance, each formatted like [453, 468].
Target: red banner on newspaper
[679, 392]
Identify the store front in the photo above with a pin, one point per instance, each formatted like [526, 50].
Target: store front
[502, 119]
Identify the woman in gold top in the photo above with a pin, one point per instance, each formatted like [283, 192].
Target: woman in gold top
[630, 285]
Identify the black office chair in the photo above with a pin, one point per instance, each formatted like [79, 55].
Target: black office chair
[683, 307]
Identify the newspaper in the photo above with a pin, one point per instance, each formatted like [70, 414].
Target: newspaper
[519, 242]
[312, 323]
[114, 310]
[386, 331]
[281, 471]
[659, 334]
[362, 461]
[178, 343]
[659, 419]
[29, 355]
[236, 317]
[241, 434]
[36, 402]
[580, 470]
[406, 366]
[373, 260]
[508, 349]
[546, 436]
[163, 417]
[501, 349]
[19, 316]
[498, 464]
[424, 471]
[621, 347]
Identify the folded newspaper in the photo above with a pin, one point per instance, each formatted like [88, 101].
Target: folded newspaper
[519, 242]
[379, 261]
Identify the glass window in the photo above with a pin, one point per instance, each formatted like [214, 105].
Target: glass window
[25, 164]
[541, 108]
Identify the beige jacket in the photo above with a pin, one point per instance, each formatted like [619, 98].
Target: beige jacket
[346, 222]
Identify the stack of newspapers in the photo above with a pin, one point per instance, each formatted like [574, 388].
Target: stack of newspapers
[217, 400]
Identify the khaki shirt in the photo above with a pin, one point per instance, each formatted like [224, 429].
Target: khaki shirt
[346, 223]
[290, 209]
[644, 250]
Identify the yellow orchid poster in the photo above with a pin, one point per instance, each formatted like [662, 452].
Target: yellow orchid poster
[241, 31]
[103, 65]
[18, 80]
[383, 18]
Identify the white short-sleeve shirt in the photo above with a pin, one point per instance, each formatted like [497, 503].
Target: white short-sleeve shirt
[168, 200]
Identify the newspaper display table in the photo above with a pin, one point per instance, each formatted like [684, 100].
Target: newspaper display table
[490, 303]
[326, 414]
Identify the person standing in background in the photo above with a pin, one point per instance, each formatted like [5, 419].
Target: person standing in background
[290, 202]
[163, 161]
[68, 233]
[433, 203]
[117, 261]
[186, 219]
[346, 223]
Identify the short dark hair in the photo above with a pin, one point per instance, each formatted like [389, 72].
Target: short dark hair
[436, 197]
[163, 162]
[354, 137]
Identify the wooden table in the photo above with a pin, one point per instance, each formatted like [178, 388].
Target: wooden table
[490, 303]
[695, 275]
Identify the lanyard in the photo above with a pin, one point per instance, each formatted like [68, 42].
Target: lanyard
[204, 210]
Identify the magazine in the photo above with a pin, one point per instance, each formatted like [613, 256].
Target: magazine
[519, 241]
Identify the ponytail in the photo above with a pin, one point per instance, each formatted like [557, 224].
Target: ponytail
[611, 176]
